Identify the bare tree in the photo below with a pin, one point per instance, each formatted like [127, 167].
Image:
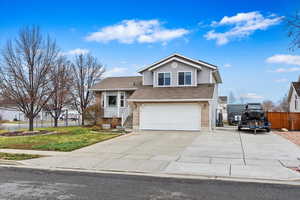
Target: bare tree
[25, 71]
[293, 23]
[86, 71]
[283, 105]
[268, 105]
[61, 84]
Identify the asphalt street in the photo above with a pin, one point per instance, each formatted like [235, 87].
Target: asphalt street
[21, 183]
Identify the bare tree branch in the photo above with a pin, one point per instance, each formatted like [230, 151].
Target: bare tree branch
[293, 23]
[61, 84]
[25, 71]
[86, 72]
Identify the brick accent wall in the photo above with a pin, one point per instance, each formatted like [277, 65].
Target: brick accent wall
[135, 115]
[204, 115]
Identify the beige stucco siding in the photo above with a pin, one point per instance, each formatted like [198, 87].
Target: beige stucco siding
[204, 75]
[198, 76]
[175, 67]
[147, 77]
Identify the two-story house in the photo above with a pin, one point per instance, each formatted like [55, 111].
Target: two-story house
[175, 93]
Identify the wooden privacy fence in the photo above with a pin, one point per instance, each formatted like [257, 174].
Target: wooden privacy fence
[288, 120]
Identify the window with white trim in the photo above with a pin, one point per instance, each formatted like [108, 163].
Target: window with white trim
[122, 99]
[296, 102]
[112, 100]
[184, 78]
[102, 102]
[164, 78]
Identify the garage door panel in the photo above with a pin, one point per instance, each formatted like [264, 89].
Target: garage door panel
[184, 116]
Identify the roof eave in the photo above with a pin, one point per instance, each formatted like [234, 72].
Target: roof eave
[217, 76]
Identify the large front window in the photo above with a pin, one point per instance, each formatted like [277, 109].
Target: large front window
[164, 78]
[112, 101]
[184, 78]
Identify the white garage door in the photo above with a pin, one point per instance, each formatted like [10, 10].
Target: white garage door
[179, 116]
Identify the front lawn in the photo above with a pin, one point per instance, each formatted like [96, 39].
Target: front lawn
[66, 139]
[17, 156]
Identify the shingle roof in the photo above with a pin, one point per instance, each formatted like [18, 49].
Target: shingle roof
[126, 82]
[202, 91]
[296, 85]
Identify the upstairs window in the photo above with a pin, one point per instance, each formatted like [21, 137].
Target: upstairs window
[184, 78]
[164, 78]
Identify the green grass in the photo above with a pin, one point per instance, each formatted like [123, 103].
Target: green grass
[66, 139]
[17, 156]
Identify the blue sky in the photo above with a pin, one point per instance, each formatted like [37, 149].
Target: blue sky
[246, 39]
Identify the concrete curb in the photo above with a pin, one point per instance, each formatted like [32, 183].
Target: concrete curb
[161, 175]
[10, 162]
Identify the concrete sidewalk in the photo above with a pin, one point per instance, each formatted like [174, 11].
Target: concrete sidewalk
[222, 153]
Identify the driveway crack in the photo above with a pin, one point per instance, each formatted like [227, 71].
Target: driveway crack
[242, 146]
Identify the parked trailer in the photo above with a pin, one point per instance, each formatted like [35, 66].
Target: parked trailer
[234, 113]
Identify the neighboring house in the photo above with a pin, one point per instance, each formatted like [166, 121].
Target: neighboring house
[294, 97]
[222, 106]
[11, 114]
[175, 93]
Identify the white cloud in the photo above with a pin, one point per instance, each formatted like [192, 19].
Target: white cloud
[227, 65]
[282, 70]
[251, 96]
[282, 80]
[141, 31]
[77, 51]
[116, 71]
[244, 24]
[284, 59]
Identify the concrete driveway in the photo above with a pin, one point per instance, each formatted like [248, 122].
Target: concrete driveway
[225, 153]
[139, 152]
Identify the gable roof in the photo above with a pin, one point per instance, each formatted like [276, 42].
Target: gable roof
[118, 83]
[296, 86]
[180, 58]
[149, 93]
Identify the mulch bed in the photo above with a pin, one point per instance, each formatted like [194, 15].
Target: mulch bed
[25, 133]
[293, 136]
